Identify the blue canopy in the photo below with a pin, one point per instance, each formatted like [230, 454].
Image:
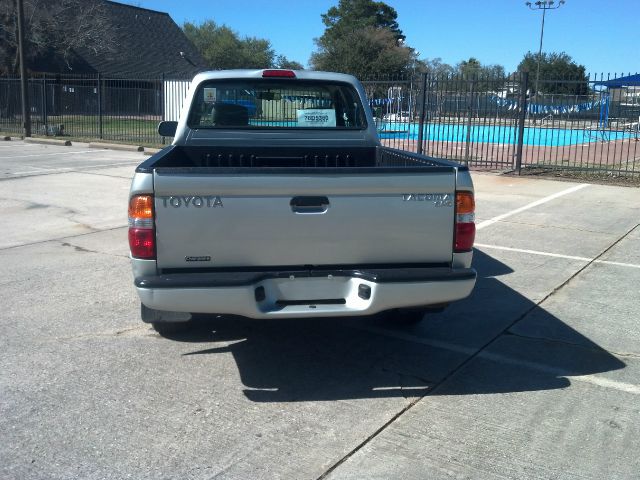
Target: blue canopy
[628, 81]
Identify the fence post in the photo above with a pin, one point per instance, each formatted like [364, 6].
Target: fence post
[522, 115]
[24, 80]
[422, 113]
[467, 143]
[164, 102]
[99, 90]
[44, 104]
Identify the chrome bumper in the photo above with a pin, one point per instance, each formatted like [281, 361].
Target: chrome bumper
[307, 293]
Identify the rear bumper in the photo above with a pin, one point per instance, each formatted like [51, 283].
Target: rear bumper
[305, 293]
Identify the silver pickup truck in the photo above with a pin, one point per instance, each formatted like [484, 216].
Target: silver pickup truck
[276, 199]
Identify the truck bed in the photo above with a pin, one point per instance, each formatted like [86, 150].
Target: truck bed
[276, 207]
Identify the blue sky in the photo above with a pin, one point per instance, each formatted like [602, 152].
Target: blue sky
[603, 35]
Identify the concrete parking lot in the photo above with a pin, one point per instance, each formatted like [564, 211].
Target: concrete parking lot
[536, 375]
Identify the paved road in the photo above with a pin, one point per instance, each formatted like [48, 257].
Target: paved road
[537, 375]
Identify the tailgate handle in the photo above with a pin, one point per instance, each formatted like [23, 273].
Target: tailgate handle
[309, 204]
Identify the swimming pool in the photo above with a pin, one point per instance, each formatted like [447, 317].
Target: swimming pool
[504, 134]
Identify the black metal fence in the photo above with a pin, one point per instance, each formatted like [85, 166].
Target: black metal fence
[493, 123]
[122, 109]
[502, 123]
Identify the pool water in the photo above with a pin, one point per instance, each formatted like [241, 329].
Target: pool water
[504, 134]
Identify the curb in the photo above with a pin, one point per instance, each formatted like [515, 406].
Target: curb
[48, 141]
[117, 146]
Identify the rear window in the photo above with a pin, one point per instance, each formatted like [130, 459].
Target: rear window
[276, 104]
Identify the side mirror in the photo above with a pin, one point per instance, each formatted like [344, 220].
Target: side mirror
[167, 129]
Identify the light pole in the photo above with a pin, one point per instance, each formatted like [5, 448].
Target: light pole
[543, 5]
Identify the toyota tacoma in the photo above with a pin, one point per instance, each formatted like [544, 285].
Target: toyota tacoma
[276, 199]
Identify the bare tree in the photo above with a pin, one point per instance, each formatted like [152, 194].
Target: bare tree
[55, 27]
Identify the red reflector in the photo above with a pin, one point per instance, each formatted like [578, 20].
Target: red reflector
[142, 242]
[278, 73]
[465, 235]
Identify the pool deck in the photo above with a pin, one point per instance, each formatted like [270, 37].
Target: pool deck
[620, 155]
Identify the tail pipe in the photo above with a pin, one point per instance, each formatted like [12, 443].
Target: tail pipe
[465, 229]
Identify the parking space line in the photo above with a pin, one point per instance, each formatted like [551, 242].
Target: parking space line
[417, 388]
[546, 199]
[58, 239]
[557, 255]
[73, 162]
[618, 264]
[35, 170]
[452, 347]
[57, 153]
[76, 168]
[506, 360]
[533, 252]
[592, 379]
[606, 383]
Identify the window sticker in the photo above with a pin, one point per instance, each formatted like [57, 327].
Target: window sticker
[317, 117]
[209, 95]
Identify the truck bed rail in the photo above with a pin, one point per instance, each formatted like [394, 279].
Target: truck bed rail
[287, 157]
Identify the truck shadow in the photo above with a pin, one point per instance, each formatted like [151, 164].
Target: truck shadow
[349, 358]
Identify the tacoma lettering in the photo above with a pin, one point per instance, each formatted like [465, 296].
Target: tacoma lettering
[438, 199]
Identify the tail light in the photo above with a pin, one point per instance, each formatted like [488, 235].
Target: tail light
[142, 235]
[465, 222]
[278, 74]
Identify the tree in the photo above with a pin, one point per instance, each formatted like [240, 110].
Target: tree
[54, 27]
[559, 73]
[472, 68]
[284, 62]
[485, 78]
[257, 53]
[222, 48]
[365, 52]
[469, 68]
[362, 37]
[352, 15]
[434, 67]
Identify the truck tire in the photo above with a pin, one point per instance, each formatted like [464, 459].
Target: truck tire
[165, 322]
[170, 328]
[407, 316]
[411, 316]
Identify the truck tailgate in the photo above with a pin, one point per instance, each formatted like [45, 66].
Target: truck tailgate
[209, 218]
